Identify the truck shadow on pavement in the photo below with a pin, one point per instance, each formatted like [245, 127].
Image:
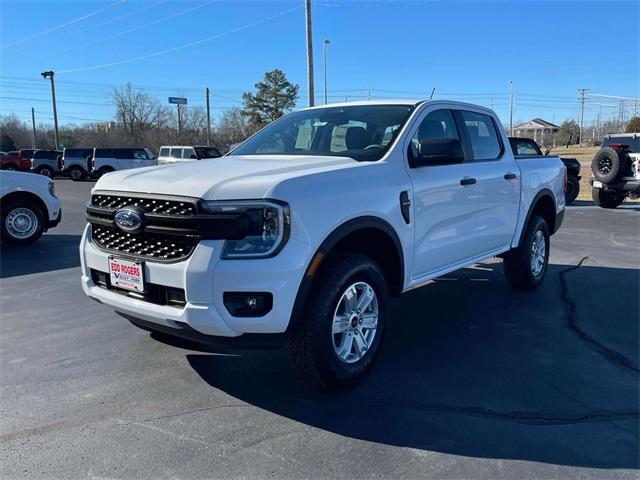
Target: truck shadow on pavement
[50, 252]
[471, 368]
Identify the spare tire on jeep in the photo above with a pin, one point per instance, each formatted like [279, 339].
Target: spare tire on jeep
[609, 165]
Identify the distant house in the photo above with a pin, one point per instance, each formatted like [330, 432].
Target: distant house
[537, 129]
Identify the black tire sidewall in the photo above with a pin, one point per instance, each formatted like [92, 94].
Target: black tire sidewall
[572, 194]
[49, 171]
[4, 233]
[319, 311]
[606, 198]
[80, 171]
[616, 165]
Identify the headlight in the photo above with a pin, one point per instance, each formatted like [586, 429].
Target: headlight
[268, 232]
[52, 188]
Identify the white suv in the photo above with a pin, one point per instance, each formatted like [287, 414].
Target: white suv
[186, 153]
[29, 207]
[309, 226]
[107, 160]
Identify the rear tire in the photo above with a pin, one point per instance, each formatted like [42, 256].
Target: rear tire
[77, 174]
[525, 266]
[335, 340]
[573, 189]
[22, 223]
[606, 198]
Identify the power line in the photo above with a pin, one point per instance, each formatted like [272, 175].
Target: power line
[66, 24]
[180, 47]
[93, 27]
[140, 27]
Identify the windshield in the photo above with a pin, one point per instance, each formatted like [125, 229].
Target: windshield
[362, 132]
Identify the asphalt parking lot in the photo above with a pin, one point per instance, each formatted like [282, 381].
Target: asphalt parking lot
[474, 381]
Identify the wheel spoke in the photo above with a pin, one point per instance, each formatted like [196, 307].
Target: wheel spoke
[345, 346]
[370, 320]
[340, 323]
[360, 344]
[351, 297]
[365, 300]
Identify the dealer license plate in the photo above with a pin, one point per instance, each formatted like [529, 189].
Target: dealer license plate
[126, 274]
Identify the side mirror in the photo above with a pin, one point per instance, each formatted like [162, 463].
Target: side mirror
[437, 151]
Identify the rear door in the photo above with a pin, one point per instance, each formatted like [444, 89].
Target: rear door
[445, 200]
[498, 184]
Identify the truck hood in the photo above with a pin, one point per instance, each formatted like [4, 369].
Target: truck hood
[225, 178]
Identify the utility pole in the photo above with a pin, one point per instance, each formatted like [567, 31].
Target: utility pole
[33, 126]
[307, 10]
[369, 94]
[635, 107]
[324, 61]
[491, 103]
[50, 75]
[582, 92]
[179, 122]
[208, 118]
[511, 107]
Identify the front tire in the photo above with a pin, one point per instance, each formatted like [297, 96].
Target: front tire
[338, 335]
[606, 198]
[525, 266]
[46, 171]
[22, 223]
[77, 174]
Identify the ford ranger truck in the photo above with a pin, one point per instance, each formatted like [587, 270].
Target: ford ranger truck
[305, 231]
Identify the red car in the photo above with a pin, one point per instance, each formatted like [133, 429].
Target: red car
[17, 160]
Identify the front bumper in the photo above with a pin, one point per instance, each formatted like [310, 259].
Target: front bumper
[55, 221]
[204, 277]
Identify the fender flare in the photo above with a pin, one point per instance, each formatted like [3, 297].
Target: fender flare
[329, 243]
[545, 192]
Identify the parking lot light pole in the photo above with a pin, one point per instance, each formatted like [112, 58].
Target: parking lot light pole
[324, 61]
[50, 75]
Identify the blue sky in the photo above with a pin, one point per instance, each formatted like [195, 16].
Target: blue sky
[465, 49]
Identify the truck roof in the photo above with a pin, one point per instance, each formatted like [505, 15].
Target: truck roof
[398, 101]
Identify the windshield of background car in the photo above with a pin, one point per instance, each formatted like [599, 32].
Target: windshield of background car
[361, 132]
[207, 152]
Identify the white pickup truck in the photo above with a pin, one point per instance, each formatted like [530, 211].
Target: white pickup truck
[307, 228]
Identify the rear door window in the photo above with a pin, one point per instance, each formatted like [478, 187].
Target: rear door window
[187, 152]
[176, 153]
[482, 135]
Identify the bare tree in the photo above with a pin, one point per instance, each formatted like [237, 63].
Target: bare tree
[138, 113]
[232, 128]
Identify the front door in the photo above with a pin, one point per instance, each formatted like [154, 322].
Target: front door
[445, 200]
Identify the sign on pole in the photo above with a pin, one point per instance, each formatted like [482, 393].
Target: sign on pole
[178, 100]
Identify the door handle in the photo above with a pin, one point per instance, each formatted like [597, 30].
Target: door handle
[468, 181]
[510, 176]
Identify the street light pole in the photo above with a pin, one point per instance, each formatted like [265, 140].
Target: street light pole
[511, 108]
[50, 75]
[33, 126]
[324, 61]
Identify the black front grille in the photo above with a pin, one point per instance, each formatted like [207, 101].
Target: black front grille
[143, 244]
[151, 205]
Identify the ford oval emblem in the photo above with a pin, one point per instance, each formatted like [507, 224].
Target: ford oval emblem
[129, 219]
